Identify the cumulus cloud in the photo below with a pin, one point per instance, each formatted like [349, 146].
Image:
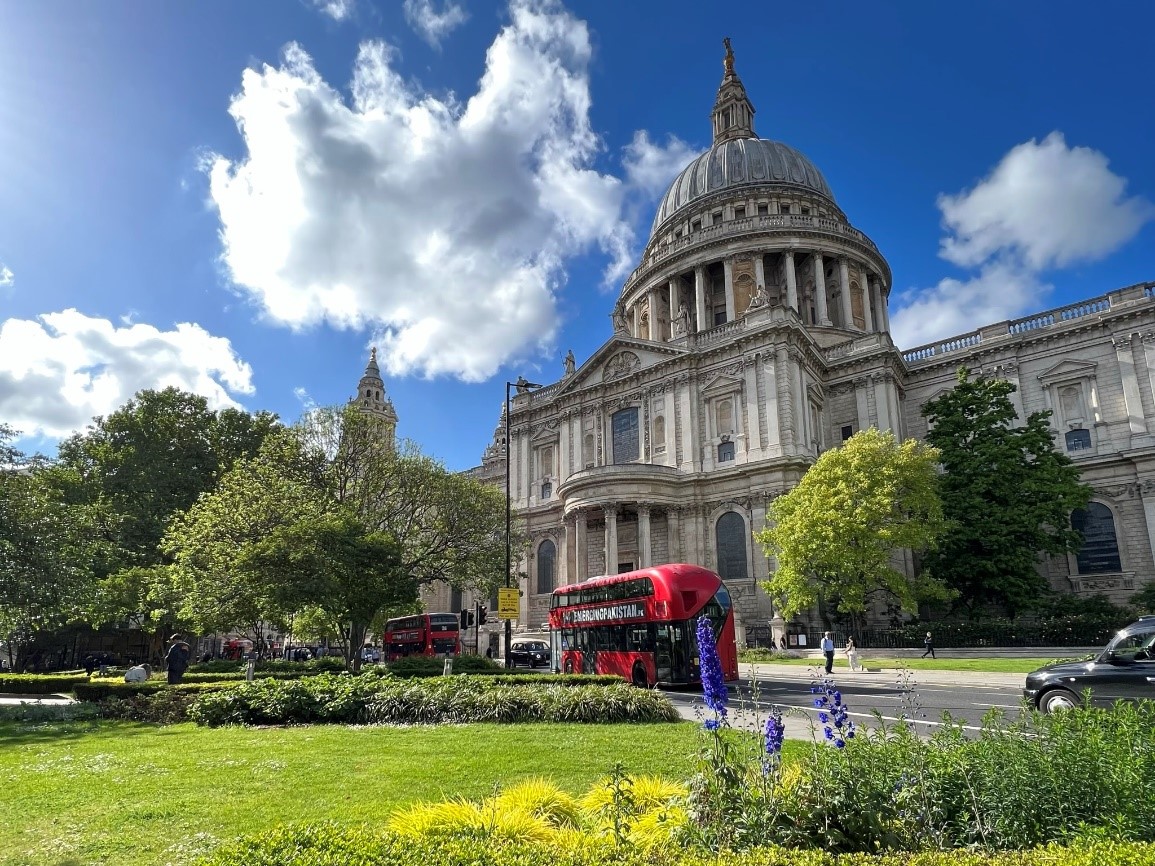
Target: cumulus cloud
[433, 25]
[338, 10]
[443, 226]
[61, 369]
[650, 167]
[7, 278]
[1045, 205]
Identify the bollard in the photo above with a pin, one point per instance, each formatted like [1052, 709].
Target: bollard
[447, 668]
[252, 667]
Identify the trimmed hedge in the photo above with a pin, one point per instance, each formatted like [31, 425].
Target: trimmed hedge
[330, 845]
[102, 690]
[39, 684]
[385, 700]
[429, 666]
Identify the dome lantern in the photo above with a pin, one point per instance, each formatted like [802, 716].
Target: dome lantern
[733, 114]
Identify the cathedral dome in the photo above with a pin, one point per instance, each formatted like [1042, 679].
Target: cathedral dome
[738, 162]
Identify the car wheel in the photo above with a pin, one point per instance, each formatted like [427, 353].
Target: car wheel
[1058, 699]
[639, 677]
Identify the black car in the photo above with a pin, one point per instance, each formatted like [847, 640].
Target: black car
[1125, 670]
[533, 653]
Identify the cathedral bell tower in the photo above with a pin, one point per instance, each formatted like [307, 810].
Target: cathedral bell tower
[372, 401]
[733, 115]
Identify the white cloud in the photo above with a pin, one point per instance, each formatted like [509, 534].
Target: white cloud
[1045, 205]
[61, 369]
[338, 10]
[1049, 204]
[430, 24]
[650, 167]
[445, 227]
[1002, 289]
[7, 278]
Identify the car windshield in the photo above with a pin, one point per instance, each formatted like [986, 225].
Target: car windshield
[1133, 645]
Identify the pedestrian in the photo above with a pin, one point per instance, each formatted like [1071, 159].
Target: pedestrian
[177, 659]
[928, 642]
[138, 674]
[827, 646]
[489, 652]
[785, 644]
[852, 655]
[89, 665]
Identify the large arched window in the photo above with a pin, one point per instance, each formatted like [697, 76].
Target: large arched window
[1100, 551]
[625, 431]
[730, 534]
[546, 557]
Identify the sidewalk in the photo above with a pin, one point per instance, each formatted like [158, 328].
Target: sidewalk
[51, 700]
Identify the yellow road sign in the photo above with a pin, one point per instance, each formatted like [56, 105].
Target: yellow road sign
[508, 603]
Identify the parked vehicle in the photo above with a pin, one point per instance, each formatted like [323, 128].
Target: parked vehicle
[1124, 670]
[534, 653]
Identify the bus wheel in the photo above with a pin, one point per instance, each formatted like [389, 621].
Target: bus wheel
[569, 666]
[639, 677]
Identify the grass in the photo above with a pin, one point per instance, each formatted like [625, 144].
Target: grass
[987, 665]
[120, 793]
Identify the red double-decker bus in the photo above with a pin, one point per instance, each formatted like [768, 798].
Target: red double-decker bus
[641, 625]
[423, 634]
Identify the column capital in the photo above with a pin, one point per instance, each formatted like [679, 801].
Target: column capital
[789, 254]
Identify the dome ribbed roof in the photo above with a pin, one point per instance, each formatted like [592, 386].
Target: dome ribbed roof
[740, 162]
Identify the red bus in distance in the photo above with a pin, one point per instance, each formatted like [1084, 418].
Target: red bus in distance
[423, 634]
[641, 625]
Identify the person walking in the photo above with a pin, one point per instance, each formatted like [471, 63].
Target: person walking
[177, 659]
[827, 647]
[852, 655]
[928, 642]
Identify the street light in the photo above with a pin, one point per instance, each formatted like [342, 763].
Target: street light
[522, 387]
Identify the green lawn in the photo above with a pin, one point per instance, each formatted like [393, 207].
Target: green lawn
[989, 665]
[121, 793]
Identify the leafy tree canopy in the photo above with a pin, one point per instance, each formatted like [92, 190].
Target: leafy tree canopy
[834, 535]
[1007, 495]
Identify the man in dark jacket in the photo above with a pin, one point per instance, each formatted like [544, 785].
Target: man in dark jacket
[177, 659]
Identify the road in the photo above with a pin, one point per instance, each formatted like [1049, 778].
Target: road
[966, 696]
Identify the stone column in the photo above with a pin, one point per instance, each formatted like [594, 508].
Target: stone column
[791, 283]
[883, 310]
[753, 425]
[728, 266]
[700, 297]
[674, 534]
[673, 303]
[611, 512]
[876, 295]
[1148, 339]
[844, 282]
[563, 462]
[861, 404]
[802, 413]
[637, 326]
[820, 291]
[1147, 493]
[759, 272]
[582, 545]
[1131, 396]
[645, 548]
[655, 326]
[773, 434]
[867, 300]
[782, 379]
[881, 403]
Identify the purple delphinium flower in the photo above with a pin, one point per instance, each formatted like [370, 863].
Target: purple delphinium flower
[834, 716]
[713, 683]
[773, 735]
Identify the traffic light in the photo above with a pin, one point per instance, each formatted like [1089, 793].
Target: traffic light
[482, 612]
[465, 619]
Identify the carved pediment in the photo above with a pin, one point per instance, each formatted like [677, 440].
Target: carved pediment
[721, 383]
[1067, 370]
[618, 358]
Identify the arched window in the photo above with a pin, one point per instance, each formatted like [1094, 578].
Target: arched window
[546, 556]
[625, 432]
[730, 535]
[1100, 551]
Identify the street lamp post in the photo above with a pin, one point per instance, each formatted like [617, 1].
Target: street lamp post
[522, 386]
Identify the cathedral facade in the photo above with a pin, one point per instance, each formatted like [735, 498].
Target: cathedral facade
[754, 335]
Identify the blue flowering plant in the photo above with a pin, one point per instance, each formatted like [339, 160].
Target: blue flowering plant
[837, 727]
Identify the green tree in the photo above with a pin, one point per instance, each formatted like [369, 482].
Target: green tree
[1007, 495]
[834, 535]
[46, 551]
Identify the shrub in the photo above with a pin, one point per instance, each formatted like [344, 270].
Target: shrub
[55, 712]
[39, 684]
[386, 700]
[168, 706]
[331, 844]
[429, 666]
[762, 654]
[100, 690]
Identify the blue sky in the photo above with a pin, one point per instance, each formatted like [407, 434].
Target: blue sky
[241, 198]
